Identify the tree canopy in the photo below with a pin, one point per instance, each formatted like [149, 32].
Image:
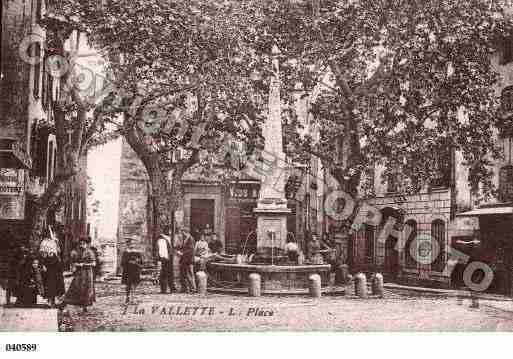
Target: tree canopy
[395, 82]
[390, 82]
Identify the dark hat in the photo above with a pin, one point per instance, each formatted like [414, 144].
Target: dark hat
[85, 239]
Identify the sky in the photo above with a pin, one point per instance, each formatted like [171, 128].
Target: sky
[103, 166]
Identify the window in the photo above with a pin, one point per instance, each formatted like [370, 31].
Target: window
[72, 208]
[392, 184]
[38, 9]
[51, 158]
[444, 166]
[438, 236]
[369, 243]
[410, 253]
[37, 69]
[507, 50]
[49, 162]
[79, 209]
[507, 99]
[55, 160]
[506, 183]
[44, 87]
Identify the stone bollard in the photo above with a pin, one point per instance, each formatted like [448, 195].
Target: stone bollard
[377, 285]
[314, 284]
[3, 296]
[255, 285]
[360, 285]
[201, 282]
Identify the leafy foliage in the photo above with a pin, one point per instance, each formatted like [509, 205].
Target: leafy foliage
[176, 67]
[399, 82]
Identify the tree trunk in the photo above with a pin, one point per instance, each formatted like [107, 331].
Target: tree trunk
[158, 214]
[176, 194]
[42, 206]
[69, 150]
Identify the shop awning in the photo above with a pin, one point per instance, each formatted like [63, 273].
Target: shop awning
[12, 155]
[486, 211]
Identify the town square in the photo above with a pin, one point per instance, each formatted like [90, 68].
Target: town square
[256, 165]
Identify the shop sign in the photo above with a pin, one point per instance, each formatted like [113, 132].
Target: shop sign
[11, 182]
[245, 192]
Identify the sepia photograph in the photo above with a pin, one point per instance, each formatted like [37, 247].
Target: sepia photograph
[255, 166]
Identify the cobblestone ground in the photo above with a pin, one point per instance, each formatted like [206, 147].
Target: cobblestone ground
[398, 310]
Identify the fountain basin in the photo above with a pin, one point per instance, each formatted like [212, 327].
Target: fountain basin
[232, 278]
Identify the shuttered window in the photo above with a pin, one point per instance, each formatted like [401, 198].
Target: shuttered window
[410, 253]
[369, 244]
[36, 48]
[438, 236]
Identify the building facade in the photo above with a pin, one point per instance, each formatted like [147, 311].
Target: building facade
[210, 203]
[28, 146]
[447, 212]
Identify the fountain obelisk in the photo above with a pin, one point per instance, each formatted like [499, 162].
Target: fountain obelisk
[271, 207]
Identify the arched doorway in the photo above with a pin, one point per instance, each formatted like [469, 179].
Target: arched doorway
[391, 263]
[391, 258]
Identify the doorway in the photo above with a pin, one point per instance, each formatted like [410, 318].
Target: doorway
[202, 214]
[391, 258]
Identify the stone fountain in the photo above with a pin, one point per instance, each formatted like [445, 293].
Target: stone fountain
[277, 277]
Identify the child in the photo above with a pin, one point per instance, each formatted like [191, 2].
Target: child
[131, 263]
[201, 253]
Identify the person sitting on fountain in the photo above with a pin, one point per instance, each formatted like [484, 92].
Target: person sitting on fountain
[314, 248]
[208, 232]
[292, 249]
[216, 248]
[215, 245]
[201, 253]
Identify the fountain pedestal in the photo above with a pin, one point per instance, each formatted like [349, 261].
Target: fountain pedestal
[270, 263]
[271, 228]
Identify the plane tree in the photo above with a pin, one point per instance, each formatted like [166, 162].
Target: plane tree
[180, 84]
[395, 83]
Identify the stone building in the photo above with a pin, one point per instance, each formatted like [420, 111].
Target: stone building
[446, 211]
[209, 202]
[28, 148]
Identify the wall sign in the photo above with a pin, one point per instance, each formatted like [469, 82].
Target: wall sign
[245, 192]
[12, 190]
[11, 182]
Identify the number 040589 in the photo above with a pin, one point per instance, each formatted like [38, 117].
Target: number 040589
[20, 347]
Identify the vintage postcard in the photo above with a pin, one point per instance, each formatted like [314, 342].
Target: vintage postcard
[255, 165]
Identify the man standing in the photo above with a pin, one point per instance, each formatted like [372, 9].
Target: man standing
[187, 264]
[165, 254]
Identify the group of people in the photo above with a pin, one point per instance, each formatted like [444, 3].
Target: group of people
[192, 255]
[40, 272]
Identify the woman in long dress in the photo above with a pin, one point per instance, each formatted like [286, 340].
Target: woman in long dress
[131, 262]
[30, 282]
[53, 276]
[81, 291]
